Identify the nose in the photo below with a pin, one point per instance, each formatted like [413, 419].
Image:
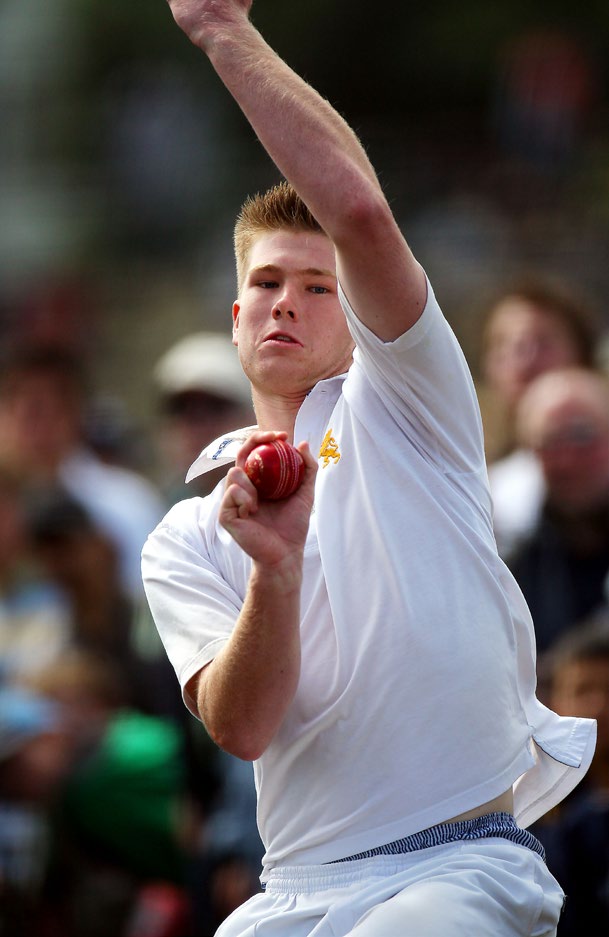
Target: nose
[282, 310]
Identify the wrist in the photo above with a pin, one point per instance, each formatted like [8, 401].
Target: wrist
[283, 578]
[224, 32]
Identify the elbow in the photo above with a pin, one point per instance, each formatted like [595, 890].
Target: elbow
[365, 211]
[233, 731]
[236, 734]
[242, 744]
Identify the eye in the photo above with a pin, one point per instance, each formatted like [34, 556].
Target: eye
[319, 289]
[267, 284]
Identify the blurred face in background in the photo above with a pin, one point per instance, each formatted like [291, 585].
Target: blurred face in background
[193, 419]
[523, 340]
[564, 419]
[40, 415]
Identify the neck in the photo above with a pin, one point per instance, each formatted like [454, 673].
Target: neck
[277, 413]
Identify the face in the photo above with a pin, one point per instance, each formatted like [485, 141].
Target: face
[288, 324]
[40, 420]
[523, 341]
[569, 431]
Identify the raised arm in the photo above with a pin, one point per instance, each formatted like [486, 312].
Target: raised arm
[319, 154]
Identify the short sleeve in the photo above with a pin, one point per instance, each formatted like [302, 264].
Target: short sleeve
[193, 606]
[425, 382]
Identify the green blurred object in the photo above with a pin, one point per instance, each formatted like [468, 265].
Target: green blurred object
[125, 798]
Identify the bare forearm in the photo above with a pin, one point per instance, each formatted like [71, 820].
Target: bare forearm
[306, 138]
[244, 693]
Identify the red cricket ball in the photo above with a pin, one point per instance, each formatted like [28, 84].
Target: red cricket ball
[276, 469]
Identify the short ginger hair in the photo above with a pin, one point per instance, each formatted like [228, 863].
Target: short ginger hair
[279, 208]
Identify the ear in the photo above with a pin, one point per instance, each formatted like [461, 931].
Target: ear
[236, 310]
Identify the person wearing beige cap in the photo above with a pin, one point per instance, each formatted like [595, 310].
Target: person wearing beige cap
[203, 394]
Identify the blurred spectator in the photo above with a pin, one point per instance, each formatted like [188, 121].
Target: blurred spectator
[561, 567]
[35, 757]
[532, 326]
[576, 835]
[42, 401]
[82, 560]
[578, 669]
[203, 394]
[35, 625]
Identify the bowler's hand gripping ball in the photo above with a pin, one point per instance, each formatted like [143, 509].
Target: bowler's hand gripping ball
[276, 469]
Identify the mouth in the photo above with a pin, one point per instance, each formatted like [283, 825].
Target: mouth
[281, 338]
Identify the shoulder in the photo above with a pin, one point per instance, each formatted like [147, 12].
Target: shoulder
[366, 339]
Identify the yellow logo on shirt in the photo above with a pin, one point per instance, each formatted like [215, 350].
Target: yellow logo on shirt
[329, 449]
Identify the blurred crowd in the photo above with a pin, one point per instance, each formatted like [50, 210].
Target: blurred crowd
[117, 813]
[544, 392]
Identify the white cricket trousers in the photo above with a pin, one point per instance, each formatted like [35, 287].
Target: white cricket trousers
[484, 888]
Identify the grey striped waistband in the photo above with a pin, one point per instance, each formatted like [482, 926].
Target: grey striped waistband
[502, 825]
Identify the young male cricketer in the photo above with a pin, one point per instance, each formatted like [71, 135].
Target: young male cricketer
[361, 641]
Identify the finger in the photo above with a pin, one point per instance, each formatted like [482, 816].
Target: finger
[311, 464]
[238, 480]
[309, 458]
[258, 438]
[237, 502]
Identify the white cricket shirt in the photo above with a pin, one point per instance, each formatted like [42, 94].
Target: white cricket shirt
[416, 699]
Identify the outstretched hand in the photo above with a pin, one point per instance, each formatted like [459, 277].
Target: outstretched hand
[271, 532]
[199, 19]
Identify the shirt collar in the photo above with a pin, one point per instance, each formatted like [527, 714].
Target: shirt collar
[224, 449]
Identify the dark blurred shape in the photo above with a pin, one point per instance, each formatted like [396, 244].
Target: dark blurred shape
[547, 88]
[35, 759]
[113, 434]
[162, 155]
